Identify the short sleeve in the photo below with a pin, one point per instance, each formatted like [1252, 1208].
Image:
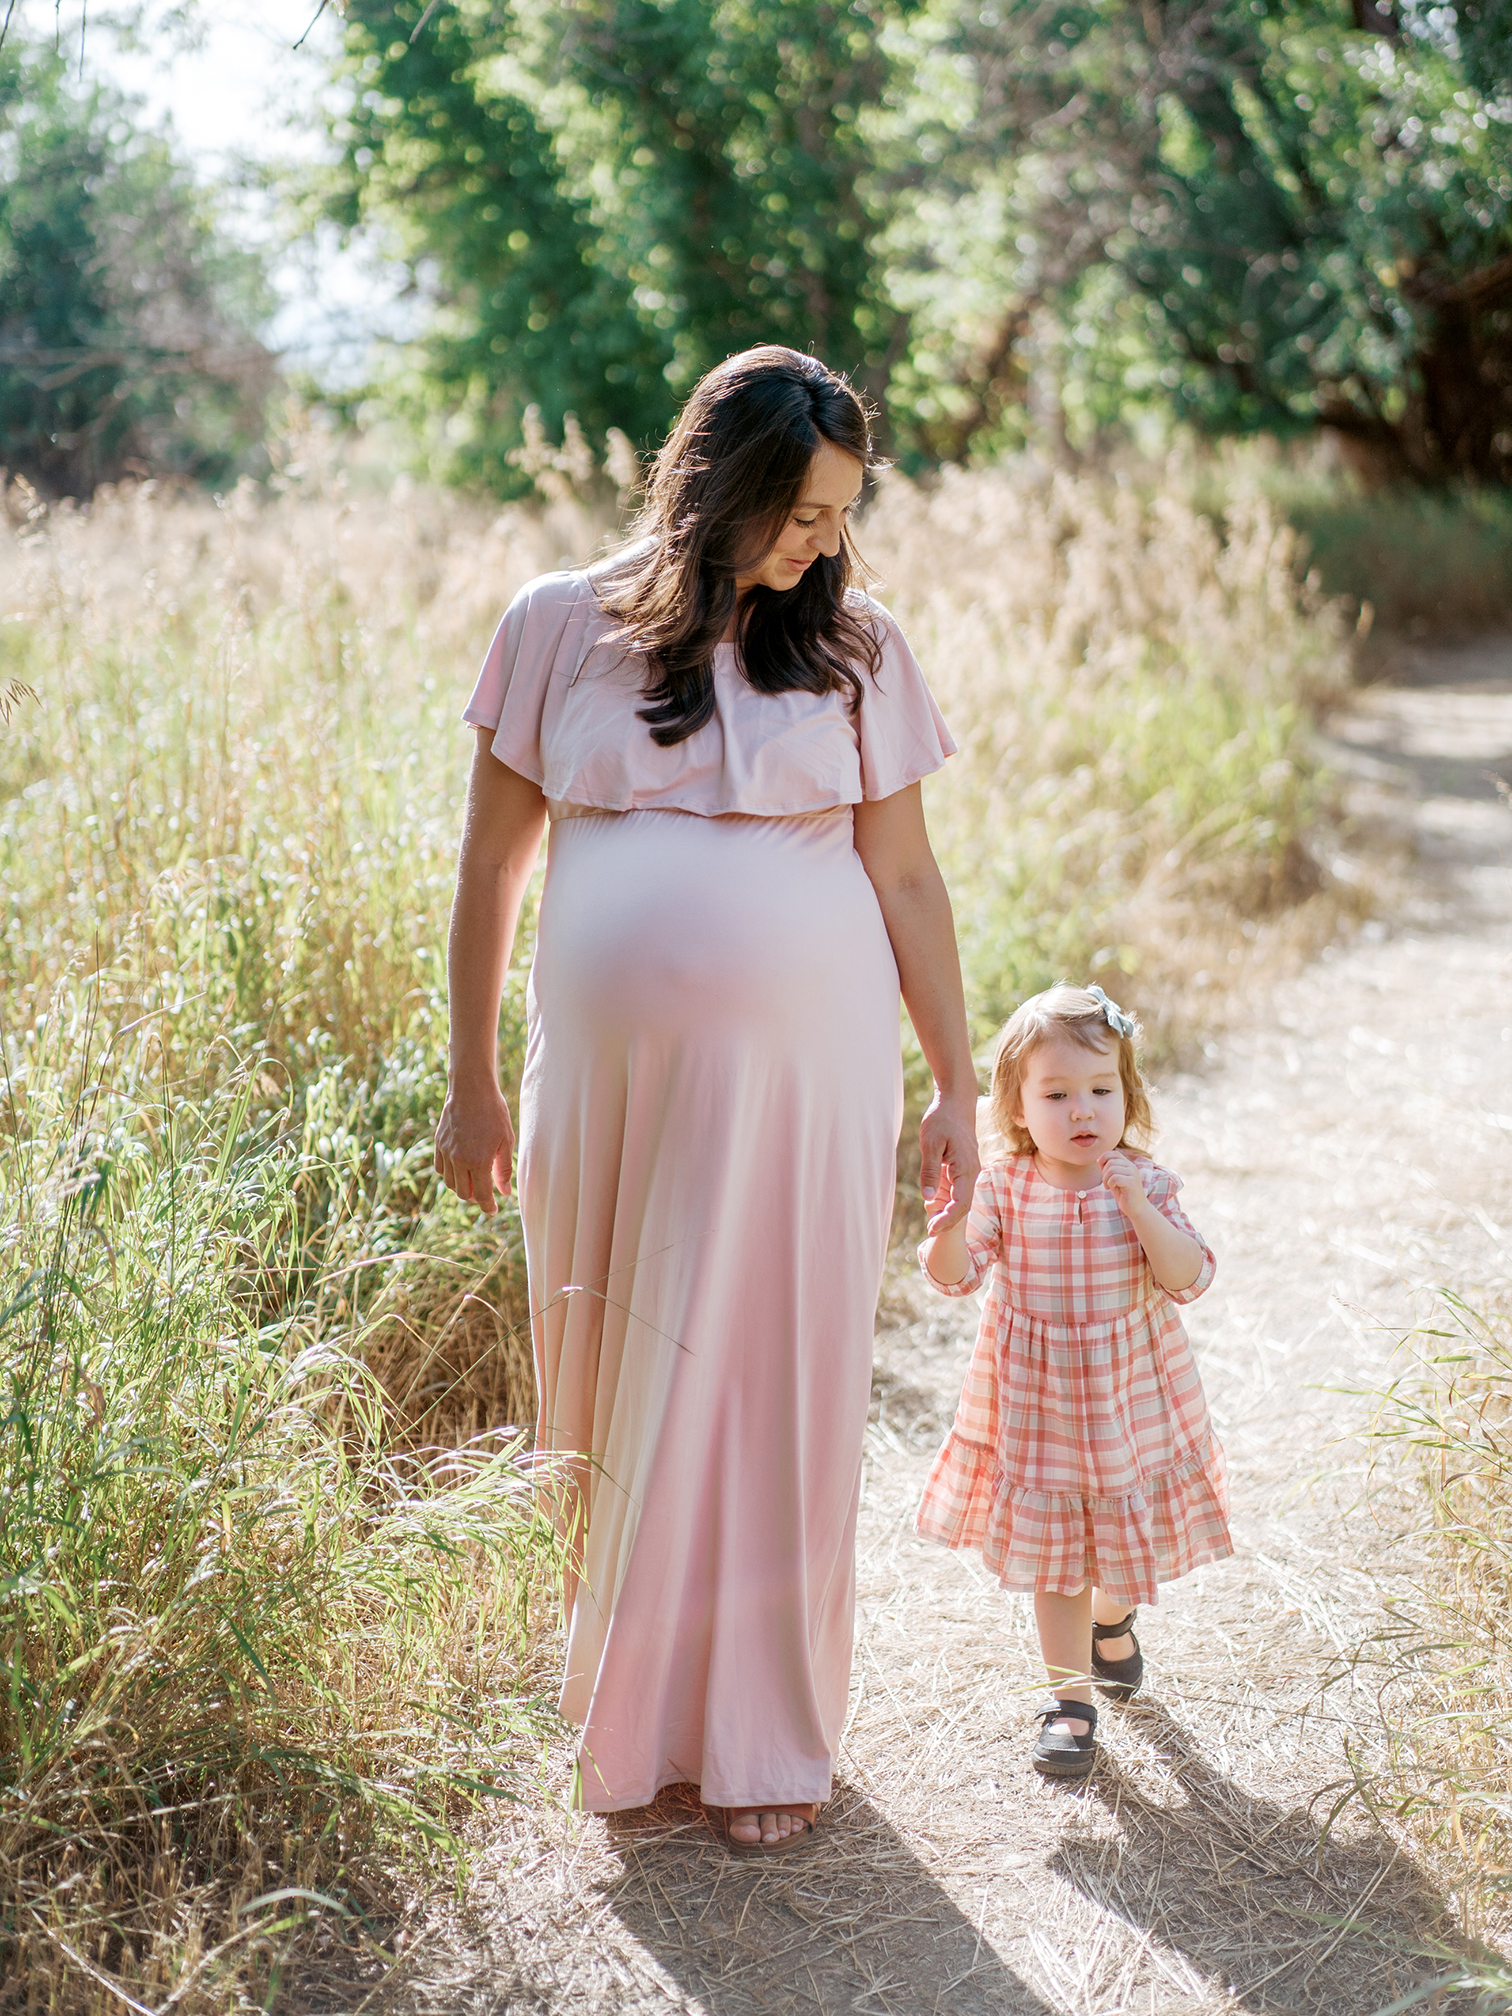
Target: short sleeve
[511, 689]
[903, 733]
[984, 1239]
[1161, 1188]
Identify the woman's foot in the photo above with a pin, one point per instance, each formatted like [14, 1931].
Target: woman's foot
[770, 1826]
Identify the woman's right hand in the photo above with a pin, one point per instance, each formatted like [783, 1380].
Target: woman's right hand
[475, 1145]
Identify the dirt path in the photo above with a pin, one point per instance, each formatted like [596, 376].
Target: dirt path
[1346, 1151]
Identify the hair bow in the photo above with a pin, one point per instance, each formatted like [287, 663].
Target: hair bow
[1113, 1015]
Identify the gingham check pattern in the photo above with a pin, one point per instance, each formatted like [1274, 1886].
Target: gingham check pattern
[1082, 1449]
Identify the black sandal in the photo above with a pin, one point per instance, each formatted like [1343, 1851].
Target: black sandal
[1059, 1754]
[1117, 1678]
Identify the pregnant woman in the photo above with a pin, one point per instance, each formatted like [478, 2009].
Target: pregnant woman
[727, 738]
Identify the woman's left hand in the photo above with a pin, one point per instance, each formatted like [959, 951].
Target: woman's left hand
[1121, 1181]
[894, 849]
[949, 1163]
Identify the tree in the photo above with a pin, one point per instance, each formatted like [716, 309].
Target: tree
[126, 325]
[609, 196]
[1281, 214]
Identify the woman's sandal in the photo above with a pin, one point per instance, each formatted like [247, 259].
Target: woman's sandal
[1117, 1678]
[1059, 1754]
[785, 1843]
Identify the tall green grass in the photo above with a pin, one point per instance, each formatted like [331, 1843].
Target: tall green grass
[269, 1560]
[273, 1580]
[247, 1649]
[1426, 563]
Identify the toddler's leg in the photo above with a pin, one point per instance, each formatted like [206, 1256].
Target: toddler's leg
[1108, 1610]
[1065, 1635]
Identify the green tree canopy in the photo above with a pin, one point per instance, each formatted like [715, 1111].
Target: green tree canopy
[1256, 214]
[127, 340]
[609, 196]
[1272, 214]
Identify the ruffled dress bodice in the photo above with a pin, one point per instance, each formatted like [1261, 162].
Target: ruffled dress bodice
[563, 695]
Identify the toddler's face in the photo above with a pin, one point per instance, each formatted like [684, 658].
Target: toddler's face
[1072, 1101]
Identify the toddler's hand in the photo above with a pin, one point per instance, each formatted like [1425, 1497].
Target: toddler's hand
[939, 1208]
[1121, 1181]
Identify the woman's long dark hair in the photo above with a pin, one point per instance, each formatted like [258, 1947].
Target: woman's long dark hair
[725, 483]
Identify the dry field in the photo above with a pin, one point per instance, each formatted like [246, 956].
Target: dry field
[278, 1612]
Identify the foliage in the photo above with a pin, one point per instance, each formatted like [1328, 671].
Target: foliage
[1271, 216]
[1008, 222]
[607, 197]
[126, 323]
[255, 1656]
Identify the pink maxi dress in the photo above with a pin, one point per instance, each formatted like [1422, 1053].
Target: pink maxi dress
[709, 1118]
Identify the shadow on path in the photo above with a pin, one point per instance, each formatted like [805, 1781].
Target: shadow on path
[854, 1923]
[1259, 1898]
[1433, 773]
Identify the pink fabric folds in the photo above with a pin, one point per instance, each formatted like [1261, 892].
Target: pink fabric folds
[709, 1118]
[1082, 1448]
[562, 700]
[708, 1127]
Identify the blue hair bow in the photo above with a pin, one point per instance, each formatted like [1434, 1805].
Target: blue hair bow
[1113, 1015]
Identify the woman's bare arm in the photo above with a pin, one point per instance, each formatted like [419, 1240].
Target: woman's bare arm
[893, 844]
[501, 840]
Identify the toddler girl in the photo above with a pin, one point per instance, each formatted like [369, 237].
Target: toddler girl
[1082, 1462]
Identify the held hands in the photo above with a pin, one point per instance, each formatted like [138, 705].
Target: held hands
[475, 1146]
[950, 1162]
[1121, 1181]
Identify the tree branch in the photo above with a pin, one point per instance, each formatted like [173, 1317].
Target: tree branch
[313, 19]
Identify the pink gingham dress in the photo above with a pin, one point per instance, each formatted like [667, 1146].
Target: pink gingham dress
[1082, 1449]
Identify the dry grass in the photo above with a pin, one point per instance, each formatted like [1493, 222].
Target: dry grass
[1437, 1753]
[247, 1663]
[1132, 693]
[234, 802]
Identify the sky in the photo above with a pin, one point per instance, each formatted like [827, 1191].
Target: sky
[229, 78]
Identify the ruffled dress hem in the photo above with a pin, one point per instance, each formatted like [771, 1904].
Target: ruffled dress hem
[1054, 1543]
[587, 1802]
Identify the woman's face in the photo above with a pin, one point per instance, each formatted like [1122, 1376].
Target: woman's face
[831, 489]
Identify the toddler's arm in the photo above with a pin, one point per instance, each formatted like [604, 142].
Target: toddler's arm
[1178, 1259]
[957, 1257]
[946, 1259]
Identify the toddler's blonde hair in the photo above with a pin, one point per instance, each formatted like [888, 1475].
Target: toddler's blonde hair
[1080, 1013]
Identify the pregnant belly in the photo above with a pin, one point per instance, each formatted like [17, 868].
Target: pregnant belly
[666, 923]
